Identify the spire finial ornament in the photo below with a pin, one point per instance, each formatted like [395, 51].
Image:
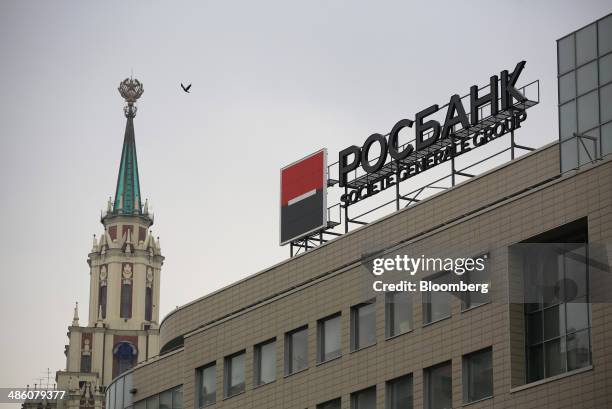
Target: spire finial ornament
[130, 89]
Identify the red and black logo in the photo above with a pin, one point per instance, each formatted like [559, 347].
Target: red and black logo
[303, 197]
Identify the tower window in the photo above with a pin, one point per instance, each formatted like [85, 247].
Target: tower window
[124, 356]
[126, 300]
[125, 310]
[102, 298]
[148, 304]
[86, 363]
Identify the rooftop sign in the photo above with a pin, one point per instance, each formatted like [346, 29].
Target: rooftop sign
[434, 142]
[439, 135]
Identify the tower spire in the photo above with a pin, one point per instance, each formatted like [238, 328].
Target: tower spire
[75, 318]
[127, 194]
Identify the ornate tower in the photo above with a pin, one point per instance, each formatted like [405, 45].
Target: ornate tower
[125, 265]
[126, 261]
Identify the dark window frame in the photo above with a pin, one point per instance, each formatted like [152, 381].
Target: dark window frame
[289, 349]
[228, 391]
[321, 338]
[355, 344]
[466, 375]
[257, 357]
[389, 403]
[355, 396]
[390, 314]
[325, 405]
[427, 389]
[426, 301]
[199, 379]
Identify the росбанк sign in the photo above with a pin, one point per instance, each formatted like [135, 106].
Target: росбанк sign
[434, 143]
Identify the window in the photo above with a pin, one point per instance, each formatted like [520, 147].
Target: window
[332, 404]
[606, 138]
[102, 299]
[567, 87]
[128, 397]
[588, 117]
[234, 374]
[124, 357]
[399, 393]
[265, 362]
[437, 304]
[557, 323]
[85, 363]
[111, 398]
[153, 402]
[567, 118]
[477, 375]
[363, 325]
[606, 103]
[605, 35]
[587, 78]
[585, 93]
[296, 350]
[365, 399]
[148, 304]
[170, 399]
[329, 338]
[206, 378]
[398, 313]
[118, 393]
[126, 300]
[476, 298]
[566, 54]
[556, 303]
[605, 69]
[439, 386]
[165, 400]
[177, 397]
[586, 44]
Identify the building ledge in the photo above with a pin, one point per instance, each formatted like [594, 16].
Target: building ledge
[551, 379]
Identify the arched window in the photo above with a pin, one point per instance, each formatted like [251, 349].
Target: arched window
[124, 354]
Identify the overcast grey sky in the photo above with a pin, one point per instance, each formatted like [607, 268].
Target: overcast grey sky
[272, 82]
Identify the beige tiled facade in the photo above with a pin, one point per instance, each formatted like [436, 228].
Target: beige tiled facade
[487, 214]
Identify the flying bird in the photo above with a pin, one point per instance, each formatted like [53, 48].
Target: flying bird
[185, 88]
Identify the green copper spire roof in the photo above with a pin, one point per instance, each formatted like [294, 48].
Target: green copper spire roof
[127, 195]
